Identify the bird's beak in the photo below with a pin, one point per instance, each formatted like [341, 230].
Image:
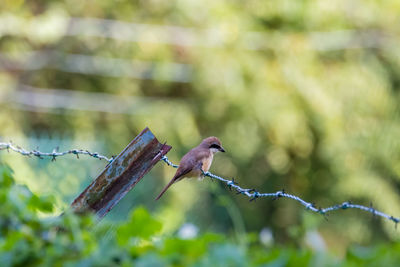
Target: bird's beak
[221, 149]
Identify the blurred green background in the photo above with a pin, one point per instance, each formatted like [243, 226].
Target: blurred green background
[303, 94]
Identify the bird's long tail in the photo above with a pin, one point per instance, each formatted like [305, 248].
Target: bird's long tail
[173, 180]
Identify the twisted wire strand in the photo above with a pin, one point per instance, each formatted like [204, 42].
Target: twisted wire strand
[251, 193]
[254, 194]
[54, 154]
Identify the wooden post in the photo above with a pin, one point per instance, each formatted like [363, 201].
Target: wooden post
[121, 175]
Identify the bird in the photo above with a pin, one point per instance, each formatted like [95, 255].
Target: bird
[195, 161]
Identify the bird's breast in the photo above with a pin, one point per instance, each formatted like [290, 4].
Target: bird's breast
[207, 162]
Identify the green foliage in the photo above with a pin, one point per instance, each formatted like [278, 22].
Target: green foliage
[303, 94]
[140, 225]
[27, 239]
[194, 248]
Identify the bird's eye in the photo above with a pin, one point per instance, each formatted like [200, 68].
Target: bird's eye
[215, 146]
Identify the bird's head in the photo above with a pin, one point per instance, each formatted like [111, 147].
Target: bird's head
[213, 144]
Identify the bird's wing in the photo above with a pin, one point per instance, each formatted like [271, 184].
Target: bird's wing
[191, 161]
[182, 171]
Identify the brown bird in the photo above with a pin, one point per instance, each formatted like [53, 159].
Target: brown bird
[197, 159]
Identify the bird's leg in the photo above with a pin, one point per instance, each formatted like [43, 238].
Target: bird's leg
[202, 172]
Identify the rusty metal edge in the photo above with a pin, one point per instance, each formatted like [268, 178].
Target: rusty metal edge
[79, 204]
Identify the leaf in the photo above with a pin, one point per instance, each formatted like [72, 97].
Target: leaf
[42, 203]
[140, 225]
[187, 251]
[6, 180]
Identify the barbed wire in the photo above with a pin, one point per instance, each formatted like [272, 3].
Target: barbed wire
[97, 65]
[54, 154]
[56, 100]
[254, 194]
[186, 36]
[251, 193]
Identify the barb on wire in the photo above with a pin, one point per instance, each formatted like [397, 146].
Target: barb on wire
[9, 146]
[254, 194]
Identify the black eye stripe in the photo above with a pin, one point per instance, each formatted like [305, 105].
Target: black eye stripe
[215, 146]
